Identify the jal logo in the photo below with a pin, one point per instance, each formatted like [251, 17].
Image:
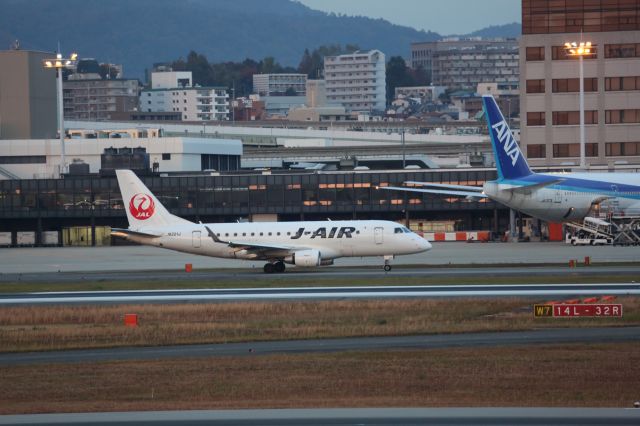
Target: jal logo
[141, 206]
[508, 142]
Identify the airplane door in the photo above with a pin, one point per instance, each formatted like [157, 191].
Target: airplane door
[377, 235]
[196, 239]
[557, 197]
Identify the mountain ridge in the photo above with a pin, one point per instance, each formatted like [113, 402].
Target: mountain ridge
[138, 33]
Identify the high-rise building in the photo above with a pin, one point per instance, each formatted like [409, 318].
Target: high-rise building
[27, 96]
[549, 82]
[279, 84]
[194, 103]
[463, 63]
[356, 81]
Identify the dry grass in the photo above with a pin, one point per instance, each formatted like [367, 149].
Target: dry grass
[572, 375]
[29, 328]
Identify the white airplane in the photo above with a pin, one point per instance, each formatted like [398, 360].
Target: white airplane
[556, 197]
[306, 244]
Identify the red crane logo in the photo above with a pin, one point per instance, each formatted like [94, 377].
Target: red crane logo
[142, 206]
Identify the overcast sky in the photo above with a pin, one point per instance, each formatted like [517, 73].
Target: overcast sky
[442, 16]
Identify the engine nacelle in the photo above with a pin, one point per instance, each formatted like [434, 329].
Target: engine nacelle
[305, 258]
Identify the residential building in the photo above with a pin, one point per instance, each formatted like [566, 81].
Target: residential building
[28, 106]
[549, 81]
[195, 103]
[99, 99]
[279, 84]
[464, 62]
[424, 93]
[356, 81]
[316, 93]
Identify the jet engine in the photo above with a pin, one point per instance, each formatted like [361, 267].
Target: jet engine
[307, 258]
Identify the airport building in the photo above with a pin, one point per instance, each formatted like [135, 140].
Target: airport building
[549, 81]
[87, 203]
[357, 81]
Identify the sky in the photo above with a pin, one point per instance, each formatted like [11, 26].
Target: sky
[442, 16]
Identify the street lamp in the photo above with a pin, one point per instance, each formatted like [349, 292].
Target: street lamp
[580, 50]
[59, 63]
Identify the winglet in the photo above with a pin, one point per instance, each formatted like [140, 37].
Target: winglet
[510, 161]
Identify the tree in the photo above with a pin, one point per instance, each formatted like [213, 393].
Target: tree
[290, 92]
[397, 76]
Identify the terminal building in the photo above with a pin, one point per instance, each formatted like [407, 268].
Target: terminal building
[88, 203]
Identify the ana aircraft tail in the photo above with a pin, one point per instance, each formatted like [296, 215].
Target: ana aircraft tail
[142, 207]
[510, 162]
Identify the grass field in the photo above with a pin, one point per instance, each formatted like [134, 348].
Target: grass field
[577, 375]
[562, 376]
[55, 327]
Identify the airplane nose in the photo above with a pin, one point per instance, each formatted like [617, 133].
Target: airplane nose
[424, 244]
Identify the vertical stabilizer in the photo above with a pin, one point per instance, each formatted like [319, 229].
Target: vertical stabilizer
[142, 207]
[510, 162]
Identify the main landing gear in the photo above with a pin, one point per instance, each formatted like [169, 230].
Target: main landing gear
[276, 267]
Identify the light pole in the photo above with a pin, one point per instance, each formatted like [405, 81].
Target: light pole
[580, 50]
[59, 63]
[403, 151]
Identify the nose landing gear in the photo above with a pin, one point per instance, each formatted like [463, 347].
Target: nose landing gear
[387, 263]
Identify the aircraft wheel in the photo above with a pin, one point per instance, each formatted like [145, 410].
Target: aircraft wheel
[268, 268]
[279, 267]
[387, 268]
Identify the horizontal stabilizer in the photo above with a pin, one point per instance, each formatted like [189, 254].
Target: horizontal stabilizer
[533, 187]
[119, 232]
[469, 194]
[445, 185]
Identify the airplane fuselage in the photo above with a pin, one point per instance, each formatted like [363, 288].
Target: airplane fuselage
[332, 239]
[571, 199]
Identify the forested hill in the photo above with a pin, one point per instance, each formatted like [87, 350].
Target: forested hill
[138, 33]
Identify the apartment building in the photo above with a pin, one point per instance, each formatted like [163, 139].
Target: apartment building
[279, 84]
[356, 81]
[98, 99]
[549, 81]
[194, 103]
[463, 63]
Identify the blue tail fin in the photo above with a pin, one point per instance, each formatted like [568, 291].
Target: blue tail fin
[510, 162]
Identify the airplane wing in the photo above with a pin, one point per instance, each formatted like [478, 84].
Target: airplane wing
[470, 194]
[121, 232]
[258, 249]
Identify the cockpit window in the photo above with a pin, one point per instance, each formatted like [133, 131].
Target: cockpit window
[405, 230]
[398, 231]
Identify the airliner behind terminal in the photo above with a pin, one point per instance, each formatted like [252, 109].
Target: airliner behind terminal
[556, 197]
[306, 244]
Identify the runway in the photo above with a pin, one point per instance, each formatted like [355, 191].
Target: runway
[346, 417]
[321, 273]
[530, 337]
[316, 293]
[142, 258]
